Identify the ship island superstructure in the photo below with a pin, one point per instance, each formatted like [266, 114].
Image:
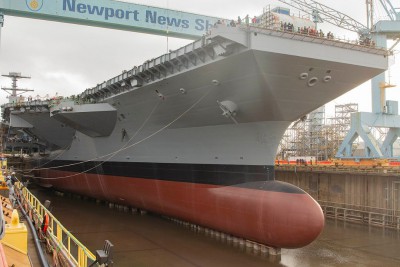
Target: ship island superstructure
[193, 133]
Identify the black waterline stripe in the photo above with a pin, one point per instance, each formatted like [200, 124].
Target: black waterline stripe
[259, 177]
[216, 174]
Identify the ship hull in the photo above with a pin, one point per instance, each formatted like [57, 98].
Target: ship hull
[193, 133]
[260, 211]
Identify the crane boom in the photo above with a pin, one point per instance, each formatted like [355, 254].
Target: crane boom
[327, 14]
[390, 9]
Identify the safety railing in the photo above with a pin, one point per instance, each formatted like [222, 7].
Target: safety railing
[363, 216]
[26, 104]
[73, 250]
[316, 38]
[341, 169]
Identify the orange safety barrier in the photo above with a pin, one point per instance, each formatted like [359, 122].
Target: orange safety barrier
[340, 162]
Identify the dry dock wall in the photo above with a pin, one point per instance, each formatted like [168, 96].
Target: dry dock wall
[369, 195]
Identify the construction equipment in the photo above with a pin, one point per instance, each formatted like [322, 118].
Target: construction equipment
[384, 113]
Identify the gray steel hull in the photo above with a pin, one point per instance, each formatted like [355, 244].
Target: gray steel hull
[196, 131]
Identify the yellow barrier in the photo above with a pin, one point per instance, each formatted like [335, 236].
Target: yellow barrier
[72, 248]
[16, 236]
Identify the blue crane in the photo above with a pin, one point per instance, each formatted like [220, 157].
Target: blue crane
[384, 113]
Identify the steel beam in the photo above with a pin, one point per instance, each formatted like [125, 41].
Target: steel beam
[387, 145]
[113, 15]
[360, 127]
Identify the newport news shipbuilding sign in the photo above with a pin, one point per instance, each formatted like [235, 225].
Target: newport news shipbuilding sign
[112, 14]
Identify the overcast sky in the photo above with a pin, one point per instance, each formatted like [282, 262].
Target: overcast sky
[66, 59]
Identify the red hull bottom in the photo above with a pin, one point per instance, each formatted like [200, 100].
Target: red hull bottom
[277, 219]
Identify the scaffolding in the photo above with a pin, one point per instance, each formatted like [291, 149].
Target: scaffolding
[315, 137]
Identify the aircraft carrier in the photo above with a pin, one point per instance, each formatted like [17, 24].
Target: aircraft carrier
[193, 134]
